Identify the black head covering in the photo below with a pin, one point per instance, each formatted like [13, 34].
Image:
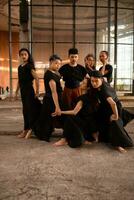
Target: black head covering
[96, 73]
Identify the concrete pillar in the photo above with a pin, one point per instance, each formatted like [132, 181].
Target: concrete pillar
[24, 21]
[24, 36]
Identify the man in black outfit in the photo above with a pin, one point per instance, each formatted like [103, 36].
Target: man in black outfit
[72, 74]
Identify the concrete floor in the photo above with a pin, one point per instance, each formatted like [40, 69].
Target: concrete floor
[36, 170]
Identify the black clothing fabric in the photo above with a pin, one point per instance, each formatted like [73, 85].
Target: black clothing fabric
[49, 75]
[110, 131]
[72, 132]
[72, 75]
[90, 70]
[88, 107]
[81, 127]
[126, 116]
[109, 70]
[44, 126]
[25, 77]
[121, 138]
[106, 91]
[31, 105]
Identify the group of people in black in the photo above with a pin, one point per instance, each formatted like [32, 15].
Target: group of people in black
[87, 108]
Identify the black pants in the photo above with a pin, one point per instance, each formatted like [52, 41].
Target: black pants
[76, 129]
[31, 110]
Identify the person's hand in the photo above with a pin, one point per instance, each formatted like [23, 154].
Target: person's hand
[36, 94]
[113, 117]
[105, 79]
[57, 112]
[103, 70]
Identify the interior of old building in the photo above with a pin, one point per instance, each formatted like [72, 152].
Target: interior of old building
[54, 26]
[31, 168]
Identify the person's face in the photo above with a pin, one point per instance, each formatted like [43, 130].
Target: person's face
[96, 82]
[24, 56]
[103, 57]
[73, 58]
[90, 61]
[55, 64]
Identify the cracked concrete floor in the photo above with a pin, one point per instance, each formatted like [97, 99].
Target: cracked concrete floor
[36, 170]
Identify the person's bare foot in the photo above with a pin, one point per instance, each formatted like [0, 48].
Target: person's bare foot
[95, 136]
[87, 142]
[121, 150]
[22, 134]
[28, 135]
[61, 142]
[96, 140]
